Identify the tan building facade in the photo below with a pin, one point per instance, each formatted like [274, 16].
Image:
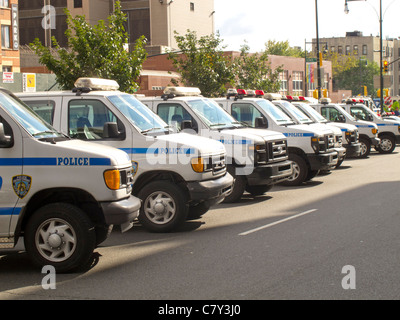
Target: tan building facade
[10, 56]
[157, 20]
[368, 47]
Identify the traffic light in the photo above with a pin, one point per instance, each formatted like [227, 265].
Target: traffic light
[325, 93]
[315, 94]
[365, 91]
[378, 93]
[385, 66]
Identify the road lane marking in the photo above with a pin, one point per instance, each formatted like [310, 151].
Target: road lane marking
[277, 222]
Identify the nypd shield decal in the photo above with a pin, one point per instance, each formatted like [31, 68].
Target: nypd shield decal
[21, 185]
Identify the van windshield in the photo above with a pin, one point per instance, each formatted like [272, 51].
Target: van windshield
[27, 118]
[274, 112]
[299, 115]
[212, 114]
[314, 113]
[140, 115]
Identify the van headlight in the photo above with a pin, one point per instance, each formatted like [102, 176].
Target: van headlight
[260, 152]
[112, 179]
[197, 164]
[317, 142]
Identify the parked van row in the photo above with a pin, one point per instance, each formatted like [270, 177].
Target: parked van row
[179, 155]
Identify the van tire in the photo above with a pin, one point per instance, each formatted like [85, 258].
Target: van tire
[300, 169]
[164, 207]
[389, 144]
[365, 147]
[61, 235]
[238, 187]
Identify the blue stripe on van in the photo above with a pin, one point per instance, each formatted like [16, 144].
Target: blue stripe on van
[9, 211]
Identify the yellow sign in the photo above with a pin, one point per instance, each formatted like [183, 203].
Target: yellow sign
[29, 82]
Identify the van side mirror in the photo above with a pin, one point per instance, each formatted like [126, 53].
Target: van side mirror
[260, 123]
[342, 118]
[186, 124]
[5, 141]
[110, 130]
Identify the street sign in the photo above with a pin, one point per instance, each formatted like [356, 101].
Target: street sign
[311, 59]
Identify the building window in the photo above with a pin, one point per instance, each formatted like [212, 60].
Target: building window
[284, 83]
[5, 37]
[333, 49]
[192, 6]
[355, 49]
[4, 3]
[347, 50]
[7, 69]
[77, 3]
[364, 50]
[297, 81]
[339, 50]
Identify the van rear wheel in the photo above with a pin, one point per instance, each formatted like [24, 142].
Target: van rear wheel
[387, 144]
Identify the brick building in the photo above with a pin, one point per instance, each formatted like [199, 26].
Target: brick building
[10, 57]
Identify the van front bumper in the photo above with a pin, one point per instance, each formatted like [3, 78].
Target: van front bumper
[323, 161]
[270, 173]
[212, 191]
[353, 149]
[121, 212]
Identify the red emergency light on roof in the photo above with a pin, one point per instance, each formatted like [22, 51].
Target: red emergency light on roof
[259, 93]
[302, 98]
[241, 91]
[289, 97]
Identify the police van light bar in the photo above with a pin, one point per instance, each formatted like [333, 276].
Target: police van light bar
[97, 84]
[182, 91]
[259, 93]
[325, 100]
[273, 96]
[301, 98]
[242, 92]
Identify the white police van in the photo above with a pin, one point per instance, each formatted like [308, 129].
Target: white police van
[61, 195]
[349, 132]
[389, 129]
[310, 149]
[257, 159]
[368, 131]
[177, 176]
[301, 118]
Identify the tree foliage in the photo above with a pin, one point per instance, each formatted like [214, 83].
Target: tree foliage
[350, 72]
[283, 48]
[94, 51]
[254, 71]
[201, 63]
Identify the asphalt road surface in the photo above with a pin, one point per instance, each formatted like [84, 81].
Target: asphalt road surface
[336, 237]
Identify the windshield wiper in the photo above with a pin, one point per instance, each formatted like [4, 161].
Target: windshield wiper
[44, 132]
[147, 130]
[217, 124]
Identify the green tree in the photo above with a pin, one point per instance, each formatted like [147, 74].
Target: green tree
[201, 63]
[95, 51]
[283, 48]
[357, 74]
[254, 71]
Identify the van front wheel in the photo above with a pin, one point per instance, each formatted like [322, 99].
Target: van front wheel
[164, 206]
[61, 235]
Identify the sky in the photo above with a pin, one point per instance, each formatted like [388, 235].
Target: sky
[257, 21]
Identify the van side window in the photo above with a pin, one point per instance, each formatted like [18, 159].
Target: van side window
[245, 112]
[7, 130]
[86, 119]
[45, 109]
[330, 113]
[174, 114]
